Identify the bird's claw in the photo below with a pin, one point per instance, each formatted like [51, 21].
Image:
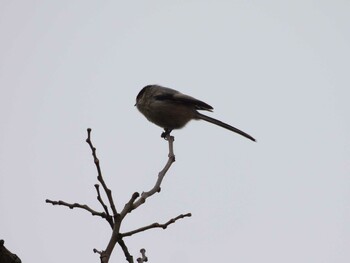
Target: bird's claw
[165, 133]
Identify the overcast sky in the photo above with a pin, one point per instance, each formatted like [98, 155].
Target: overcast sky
[279, 70]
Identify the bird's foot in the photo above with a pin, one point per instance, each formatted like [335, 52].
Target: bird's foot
[165, 133]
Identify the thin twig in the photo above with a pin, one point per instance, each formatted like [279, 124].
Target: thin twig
[76, 205]
[143, 257]
[128, 256]
[97, 251]
[99, 198]
[99, 172]
[161, 174]
[155, 225]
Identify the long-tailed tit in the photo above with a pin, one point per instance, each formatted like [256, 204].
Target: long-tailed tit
[170, 109]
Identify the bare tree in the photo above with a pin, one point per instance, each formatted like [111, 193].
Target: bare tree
[115, 218]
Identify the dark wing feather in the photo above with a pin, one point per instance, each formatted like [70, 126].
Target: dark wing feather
[185, 99]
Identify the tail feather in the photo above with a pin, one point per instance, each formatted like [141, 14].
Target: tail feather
[224, 125]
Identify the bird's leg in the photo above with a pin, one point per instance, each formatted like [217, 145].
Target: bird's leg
[165, 133]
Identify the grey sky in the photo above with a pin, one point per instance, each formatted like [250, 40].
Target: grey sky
[278, 70]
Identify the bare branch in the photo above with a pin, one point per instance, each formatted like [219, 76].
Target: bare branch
[161, 174]
[128, 256]
[97, 251]
[155, 225]
[99, 172]
[99, 198]
[129, 205]
[76, 205]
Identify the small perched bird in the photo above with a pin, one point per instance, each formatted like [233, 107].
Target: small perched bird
[170, 109]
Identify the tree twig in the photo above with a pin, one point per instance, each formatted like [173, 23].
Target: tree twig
[143, 257]
[76, 205]
[99, 172]
[128, 256]
[99, 198]
[155, 225]
[161, 174]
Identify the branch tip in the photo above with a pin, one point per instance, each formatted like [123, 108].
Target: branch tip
[97, 251]
[155, 225]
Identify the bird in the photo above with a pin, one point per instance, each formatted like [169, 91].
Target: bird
[171, 109]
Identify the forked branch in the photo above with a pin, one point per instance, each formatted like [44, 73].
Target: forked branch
[115, 219]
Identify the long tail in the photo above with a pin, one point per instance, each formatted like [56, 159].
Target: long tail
[224, 125]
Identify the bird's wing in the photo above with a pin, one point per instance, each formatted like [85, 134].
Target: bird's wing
[178, 97]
